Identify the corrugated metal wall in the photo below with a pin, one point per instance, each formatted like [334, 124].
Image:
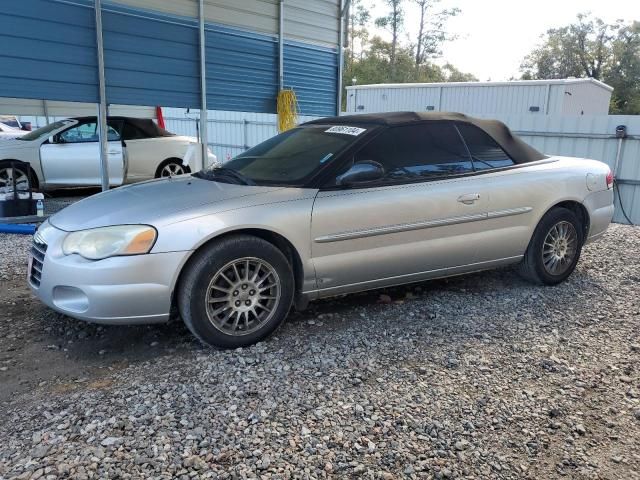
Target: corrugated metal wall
[311, 72]
[307, 21]
[497, 99]
[231, 133]
[152, 58]
[530, 98]
[583, 99]
[47, 47]
[312, 21]
[242, 70]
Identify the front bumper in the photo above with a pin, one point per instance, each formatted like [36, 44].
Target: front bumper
[117, 290]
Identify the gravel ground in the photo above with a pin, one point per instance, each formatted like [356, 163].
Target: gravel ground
[483, 376]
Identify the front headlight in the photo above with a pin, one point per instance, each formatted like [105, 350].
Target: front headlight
[99, 243]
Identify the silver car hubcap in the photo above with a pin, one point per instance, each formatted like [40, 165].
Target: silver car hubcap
[560, 247]
[242, 296]
[172, 169]
[6, 177]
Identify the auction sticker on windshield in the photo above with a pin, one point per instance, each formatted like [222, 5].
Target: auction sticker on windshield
[355, 131]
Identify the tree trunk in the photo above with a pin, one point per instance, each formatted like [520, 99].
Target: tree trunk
[394, 42]
[420, 35]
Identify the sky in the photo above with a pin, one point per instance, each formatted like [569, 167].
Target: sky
[495, 35]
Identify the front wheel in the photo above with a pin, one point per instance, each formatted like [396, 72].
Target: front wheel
[555, 248]
[7, 174]
[236, 291]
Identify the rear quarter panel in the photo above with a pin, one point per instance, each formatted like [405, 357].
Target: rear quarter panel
[538, 186]
[146, 155]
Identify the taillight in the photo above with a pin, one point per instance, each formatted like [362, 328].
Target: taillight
[610, 180]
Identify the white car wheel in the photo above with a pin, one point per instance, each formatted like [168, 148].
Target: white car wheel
[172, 169]
[7, 174]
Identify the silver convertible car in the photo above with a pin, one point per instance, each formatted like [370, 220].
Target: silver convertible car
[334, 206]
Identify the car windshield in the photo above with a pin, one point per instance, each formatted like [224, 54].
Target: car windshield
[46, 130]
[291, 157]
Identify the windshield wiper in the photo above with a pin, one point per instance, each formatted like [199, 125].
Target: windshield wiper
[219, 173]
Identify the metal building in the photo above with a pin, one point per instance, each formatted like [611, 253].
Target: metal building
[151, 52]
[525, 97]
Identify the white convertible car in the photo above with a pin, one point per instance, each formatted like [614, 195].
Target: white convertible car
[67, 153]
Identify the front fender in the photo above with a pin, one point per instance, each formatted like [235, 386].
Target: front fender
[290, 220]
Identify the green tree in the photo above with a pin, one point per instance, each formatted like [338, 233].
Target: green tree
[452, 74]
[591, 48]
[624, 72]
[375, 60]
[577, 50]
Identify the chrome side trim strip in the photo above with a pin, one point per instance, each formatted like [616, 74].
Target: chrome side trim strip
[407, 227]
[509, 212]
[403, 227]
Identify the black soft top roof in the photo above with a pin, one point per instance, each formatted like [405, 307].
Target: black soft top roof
[148, 126]
[518, 150]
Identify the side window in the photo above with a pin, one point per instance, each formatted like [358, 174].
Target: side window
[131, 132]
[87, 132]
[418, 151]
[486, 153]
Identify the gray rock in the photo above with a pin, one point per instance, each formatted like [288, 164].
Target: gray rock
[110, 441]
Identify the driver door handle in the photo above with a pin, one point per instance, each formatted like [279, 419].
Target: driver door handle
[469, 198]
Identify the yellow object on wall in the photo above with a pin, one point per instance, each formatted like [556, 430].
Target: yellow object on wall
[287, 107]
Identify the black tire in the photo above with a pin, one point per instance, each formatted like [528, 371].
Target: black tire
[195, 286]
[4, 164]
[533, 266]
[171, 162]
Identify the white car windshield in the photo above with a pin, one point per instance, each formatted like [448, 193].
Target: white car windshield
[46, 130]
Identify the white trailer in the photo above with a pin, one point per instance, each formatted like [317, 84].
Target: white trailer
[573, 96]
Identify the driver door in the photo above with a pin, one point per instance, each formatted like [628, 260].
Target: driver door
[422, 220]
[73, 159]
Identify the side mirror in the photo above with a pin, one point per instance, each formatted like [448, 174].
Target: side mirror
[52, 139]
[362, 172]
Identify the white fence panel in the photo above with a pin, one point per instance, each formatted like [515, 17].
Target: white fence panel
[229, 133]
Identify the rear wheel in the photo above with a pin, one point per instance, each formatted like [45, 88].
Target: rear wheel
[555, 248]
[236, 291]
[171, 168]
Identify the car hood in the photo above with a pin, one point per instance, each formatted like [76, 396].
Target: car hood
[155, 202]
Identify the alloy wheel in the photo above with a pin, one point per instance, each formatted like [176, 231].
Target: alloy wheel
[242, 296]
[6, 177]
[172, 169]
[560, 248]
